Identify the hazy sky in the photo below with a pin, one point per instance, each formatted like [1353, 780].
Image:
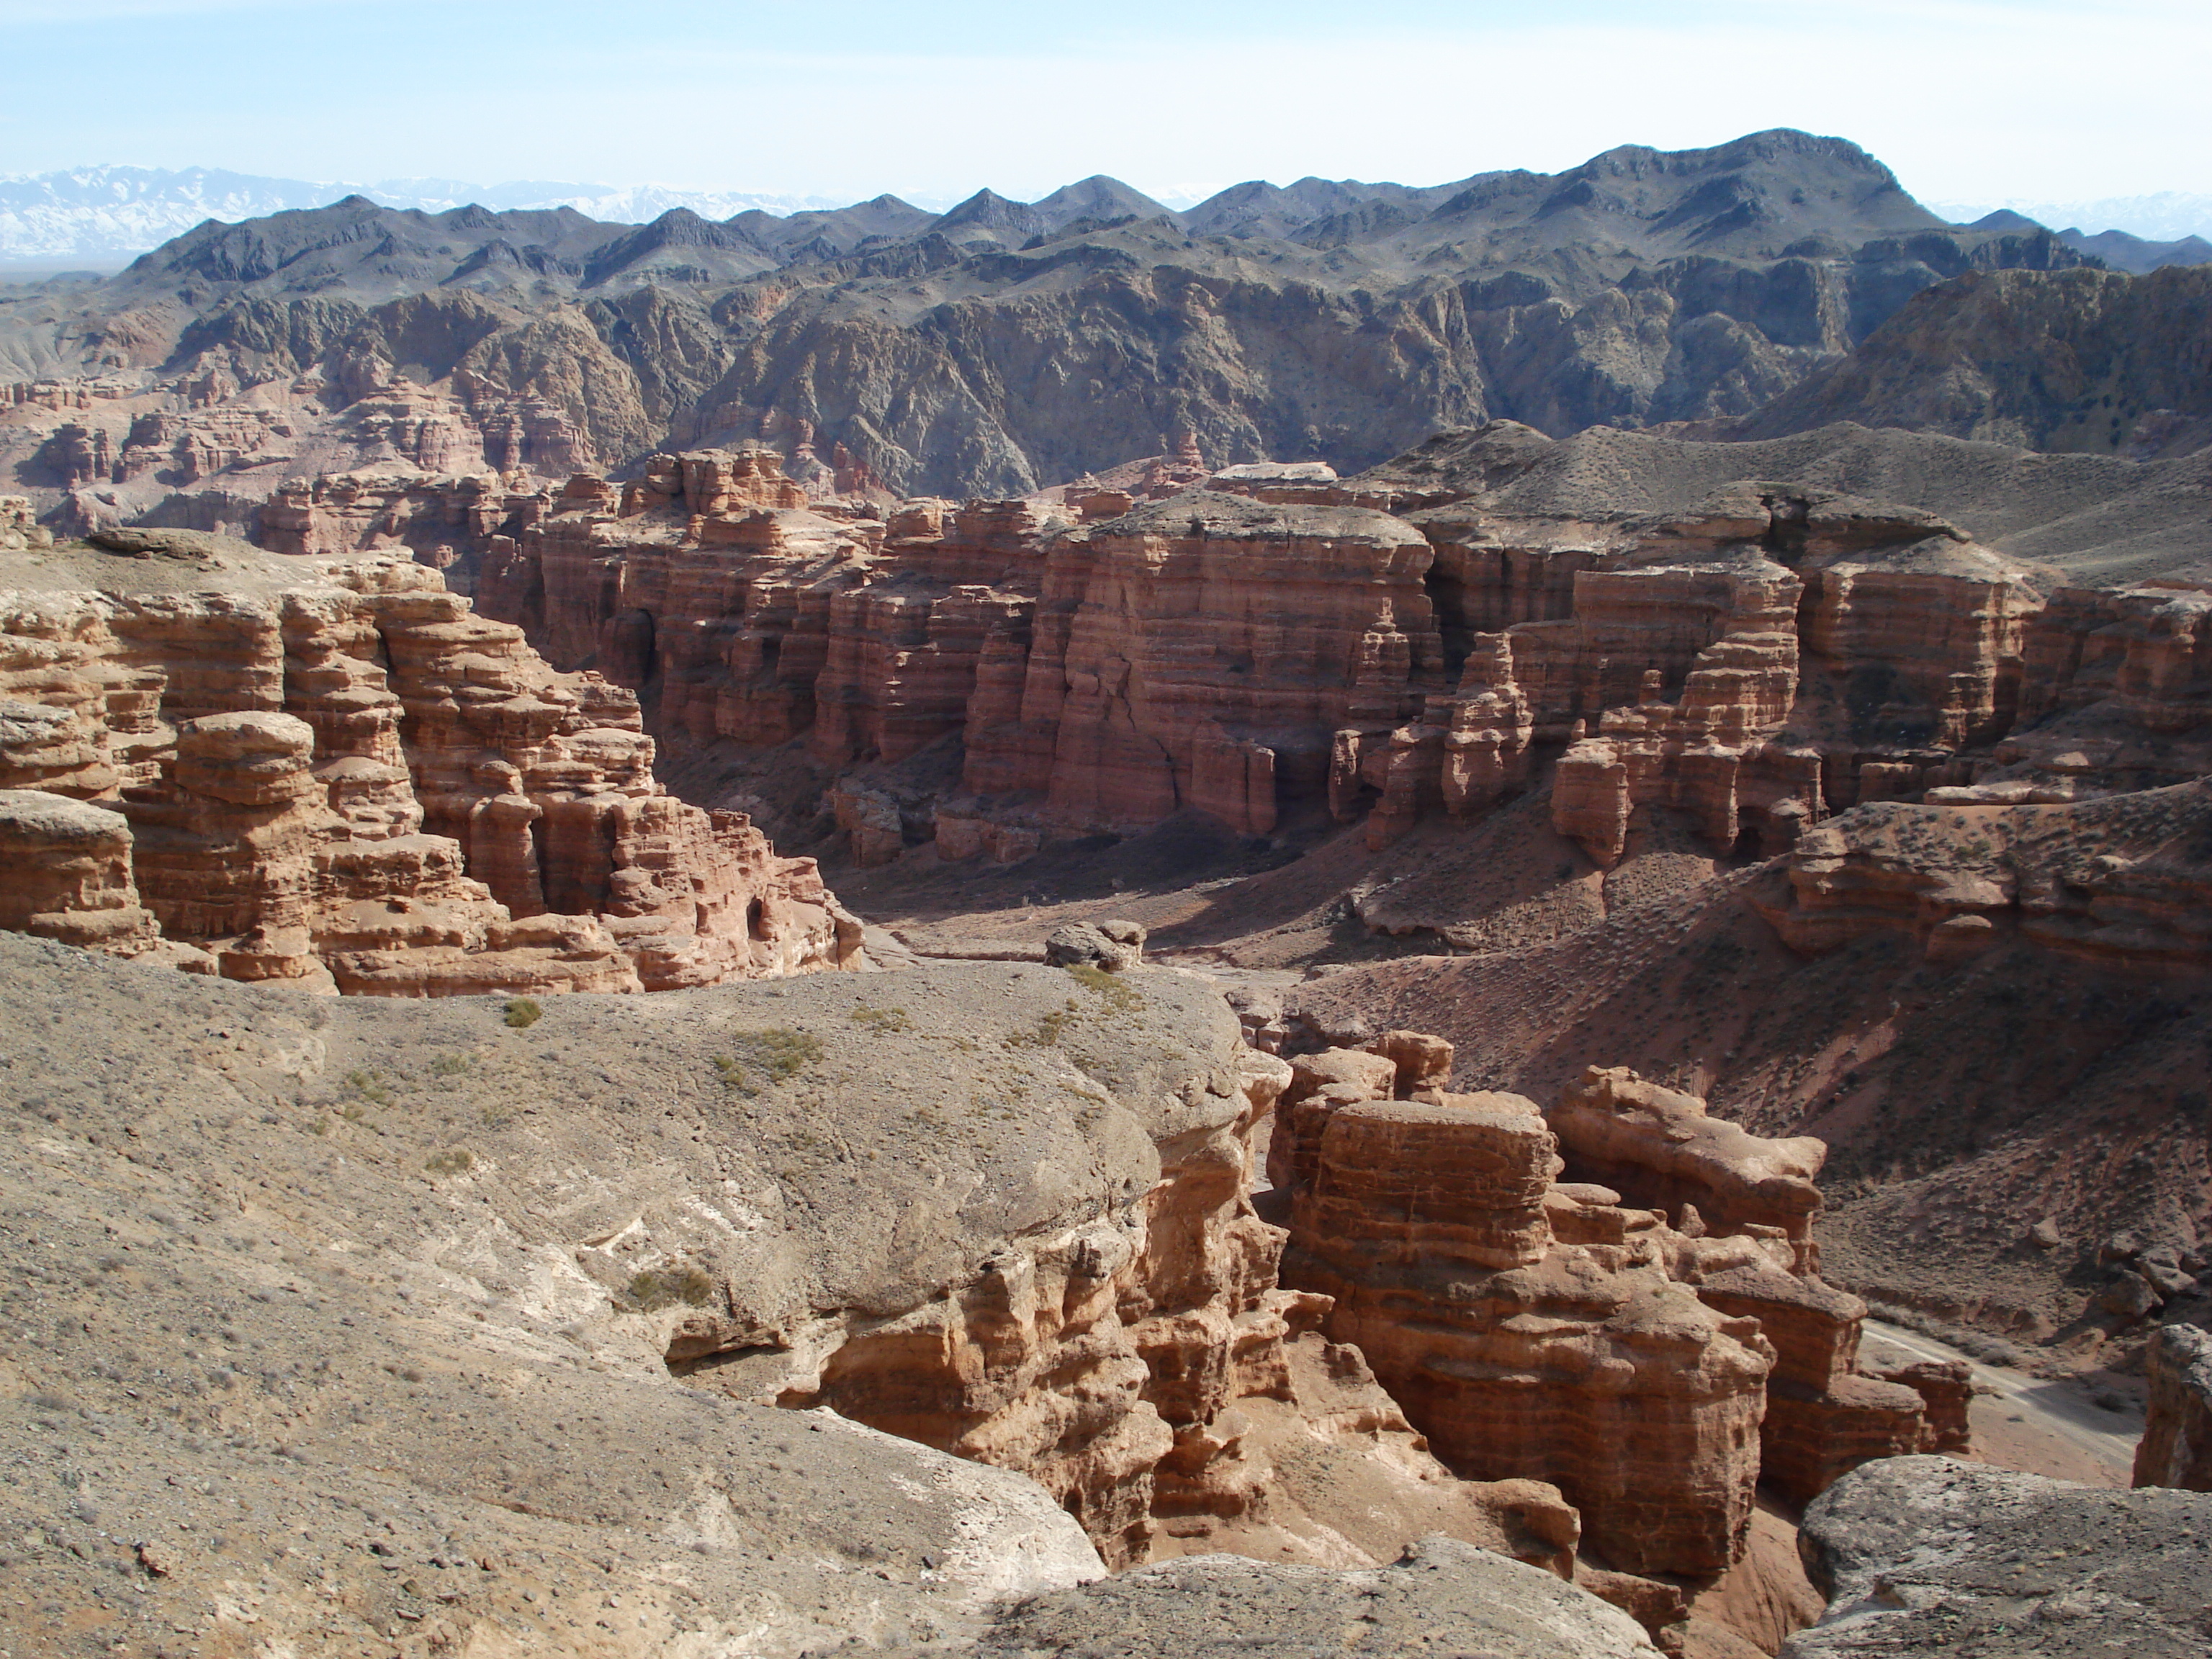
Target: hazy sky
[1967, 100]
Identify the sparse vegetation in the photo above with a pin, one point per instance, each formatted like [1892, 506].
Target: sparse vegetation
[1119, 998]
[774, 1054]
[454, 1160]
[664, 1287]
[450, 1065]
[369, 1087]
[881, 1019]
[521, 1012]
[1049, 1027]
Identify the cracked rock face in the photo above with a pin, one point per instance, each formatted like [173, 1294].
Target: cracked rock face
[1923, 1555]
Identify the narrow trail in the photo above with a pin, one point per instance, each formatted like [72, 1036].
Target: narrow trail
[2029, 1423]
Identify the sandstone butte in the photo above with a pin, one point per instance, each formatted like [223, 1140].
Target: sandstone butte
[1383, 648]
[345, 779]
[1651, 1334]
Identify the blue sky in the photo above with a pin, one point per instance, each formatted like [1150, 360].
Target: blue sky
[1967, 100]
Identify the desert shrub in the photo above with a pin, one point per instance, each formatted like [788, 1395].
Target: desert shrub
[664, 1287]
[369, 1086]
[1118, 998]
[522, 1012]
[454, 1160]
[449, 1066]
[775, 1054]
[881, 1019]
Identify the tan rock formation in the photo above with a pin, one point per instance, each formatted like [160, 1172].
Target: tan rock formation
[2177, 1444]
[359, 783]
[1523, 1355]
[1658, 1149]
[1142, 1364]
[65, 873]
[1567, 1332]
[2105, 882]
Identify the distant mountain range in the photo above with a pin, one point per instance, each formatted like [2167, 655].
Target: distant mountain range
[2168, 216]
[1001, 345]
[107, 215]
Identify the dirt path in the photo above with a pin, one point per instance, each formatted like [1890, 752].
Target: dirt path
[2026, 1423]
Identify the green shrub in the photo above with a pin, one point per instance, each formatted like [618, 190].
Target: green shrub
[1119, 998]
[775, 1054]
[521, 1012]
[369, 1086]
[664, 1287]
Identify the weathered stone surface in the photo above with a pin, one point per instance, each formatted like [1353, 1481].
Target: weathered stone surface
[2097, 881]
[2177, 1444]
[1926, 1555]
[1552, 1330]
[802, 1221]
[1660, 1149]
[65, 873]
[1439, 1594]
[1522, 1356]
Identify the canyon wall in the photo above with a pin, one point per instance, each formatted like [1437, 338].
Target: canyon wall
[2176, 1449]
[357, 784]
[1277, 645]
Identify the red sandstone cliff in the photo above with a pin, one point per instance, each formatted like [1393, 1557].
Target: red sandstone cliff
[1758, 660]
[358, 783]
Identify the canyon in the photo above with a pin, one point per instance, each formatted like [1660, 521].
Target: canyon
[1464, 876]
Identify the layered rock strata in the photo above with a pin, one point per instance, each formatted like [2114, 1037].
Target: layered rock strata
[1756, 660]
[358, 784]
[1563, 1331]
[2111, 884]
[1140, 1362]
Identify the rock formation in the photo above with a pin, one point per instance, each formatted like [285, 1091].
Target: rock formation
[1142, 1365]
[357, 784]
[1925, 1556]
[484, 1396]
[2177, 1444]
[1755, 660]
[1654, 1345]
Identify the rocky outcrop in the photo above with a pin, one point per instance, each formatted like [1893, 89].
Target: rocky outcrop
[1755, 661]
[1521, 1353]
[1142, 1364]
[65, 873]
[1660, 1149]
[1439, 1593]
[1564, 1330]
[1926, 1555]
[479, 1246]
[2177, 1444]
[2108, 883]
[360, 785]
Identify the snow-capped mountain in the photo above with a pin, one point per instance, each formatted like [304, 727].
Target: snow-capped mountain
[107, 216]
